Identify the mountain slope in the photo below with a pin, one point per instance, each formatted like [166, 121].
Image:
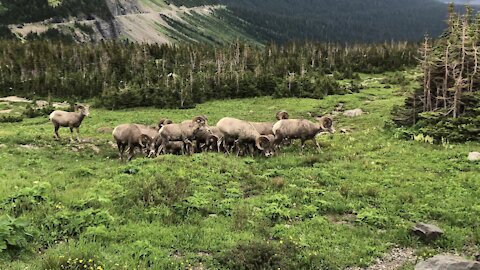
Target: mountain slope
[220, 21]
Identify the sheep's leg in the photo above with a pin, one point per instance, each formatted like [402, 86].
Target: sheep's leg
[78, 134]
[131, 152]
[251, 149]
[237, 145]
[71, 134]
[303, 145]
[121, 149]
[56, 127]
[317, 144]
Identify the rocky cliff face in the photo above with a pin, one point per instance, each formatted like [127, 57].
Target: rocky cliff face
[150, 21]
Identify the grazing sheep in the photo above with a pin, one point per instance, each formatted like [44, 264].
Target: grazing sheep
[206, 140]
[72, 120]
[130, 135]
[302, 129]
[184, 131]
[244, 133]
[280, 115]
[152, 133]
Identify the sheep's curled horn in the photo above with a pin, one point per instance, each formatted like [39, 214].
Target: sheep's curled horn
[326, 122]
[200, 119]
[282, 115]
[262, 141]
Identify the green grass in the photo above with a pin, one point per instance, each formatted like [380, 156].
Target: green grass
[204, 210]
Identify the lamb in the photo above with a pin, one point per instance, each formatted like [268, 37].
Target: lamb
[280, 115]
[184, 131]
[175, 148]
[72, 120]
[244, 132]
[302, 129]
[131, 136]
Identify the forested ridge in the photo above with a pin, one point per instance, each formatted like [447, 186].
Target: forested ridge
[129, 74]
[338, 20]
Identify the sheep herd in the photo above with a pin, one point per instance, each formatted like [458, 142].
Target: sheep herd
[229, 135]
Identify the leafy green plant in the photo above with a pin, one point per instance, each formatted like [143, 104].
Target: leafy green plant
[13, 234]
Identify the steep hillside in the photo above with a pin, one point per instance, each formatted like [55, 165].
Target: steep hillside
[219, 21]
[143, 21]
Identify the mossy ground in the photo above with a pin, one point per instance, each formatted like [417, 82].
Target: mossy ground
[343, 207]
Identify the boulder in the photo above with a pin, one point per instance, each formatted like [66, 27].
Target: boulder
[427, 232]
[447, 262]
[474, 156]
[353, 113]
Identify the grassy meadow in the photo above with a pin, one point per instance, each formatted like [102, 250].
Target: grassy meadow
[76, 206]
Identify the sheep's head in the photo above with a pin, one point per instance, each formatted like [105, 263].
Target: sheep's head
[212, 142]
[326, 123]
[265, 144]
[83, 109]
[154, 145]
[282, 115]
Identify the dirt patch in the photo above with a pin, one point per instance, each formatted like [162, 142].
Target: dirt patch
[95, 149]
[112, 144]
[61, 105]
[6, 111]
[29, 146]
[394, 259]
[15, 99]
[346, 219]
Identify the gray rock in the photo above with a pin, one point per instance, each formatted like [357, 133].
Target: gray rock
[447, 262]
[474, 156]
[353, 113]
[427, 232]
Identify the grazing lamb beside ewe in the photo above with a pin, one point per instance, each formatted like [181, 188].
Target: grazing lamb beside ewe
[184, 132]
[302, 129]
[72, 120]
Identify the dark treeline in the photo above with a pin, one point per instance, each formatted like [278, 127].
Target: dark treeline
[24, 11]
[128, 74]
[337, 20]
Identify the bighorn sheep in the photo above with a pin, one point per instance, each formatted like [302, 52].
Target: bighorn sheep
[131, 136]
[72, 120]
[302, 129]
[280, 115]
[206, 140]
[184, 131]
[244, 132]
[152, 133]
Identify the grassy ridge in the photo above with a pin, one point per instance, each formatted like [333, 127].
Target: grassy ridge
[343, 207]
